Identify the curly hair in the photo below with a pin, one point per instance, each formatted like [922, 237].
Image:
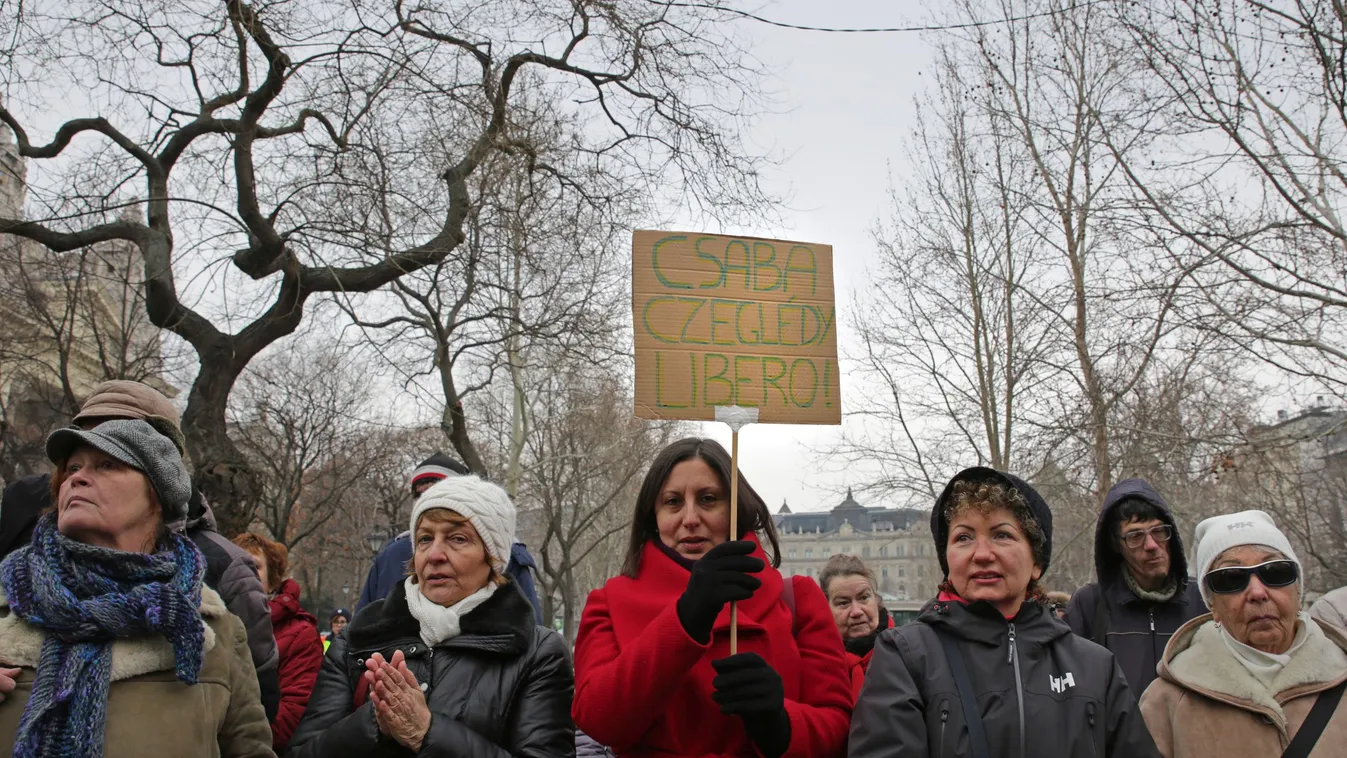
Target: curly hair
[985, 497]
[274, 553]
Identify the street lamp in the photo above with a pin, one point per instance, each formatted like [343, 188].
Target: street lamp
[375, 540]
[346, 591]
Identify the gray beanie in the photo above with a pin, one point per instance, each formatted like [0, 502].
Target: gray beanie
[138, 445]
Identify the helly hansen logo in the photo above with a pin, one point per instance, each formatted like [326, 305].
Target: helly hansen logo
[1061, 683]
[1239, 525]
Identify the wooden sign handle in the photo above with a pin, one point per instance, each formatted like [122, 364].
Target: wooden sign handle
[734, 531]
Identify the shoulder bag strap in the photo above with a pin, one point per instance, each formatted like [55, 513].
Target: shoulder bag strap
[1099, 635]
[1314, 724]
[972, 718]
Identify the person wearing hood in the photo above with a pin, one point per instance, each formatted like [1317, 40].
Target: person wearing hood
[986, 669]
[230, 571]
[1256, 677]
[300, 647]
[1143, 593]
[854, 599]
[387, 571]
[653, 668]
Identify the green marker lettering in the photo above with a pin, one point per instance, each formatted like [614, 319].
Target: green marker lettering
[770, 379]
[759, 264]
[827, 383]
[717, 378]
[645, 318]
[683, 337]
[654, 259]
[719, 281]
[719, 322]
[659, 383]
[741, 398]
[746, 269]
[794, 381]
[762, 328]
[782, 324]
[739, 324]
[810, 268]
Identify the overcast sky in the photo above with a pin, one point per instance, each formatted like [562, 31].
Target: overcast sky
[846, 102]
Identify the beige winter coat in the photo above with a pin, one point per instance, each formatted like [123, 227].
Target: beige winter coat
[1205, 703]
[1332, 608]
[150, 713]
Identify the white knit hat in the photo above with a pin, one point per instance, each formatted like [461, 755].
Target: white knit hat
[483, 504]
[1220, 533]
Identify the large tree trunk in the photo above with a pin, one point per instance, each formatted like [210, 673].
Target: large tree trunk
[220, 471]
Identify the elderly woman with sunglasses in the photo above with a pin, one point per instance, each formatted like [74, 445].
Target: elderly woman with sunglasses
[1256, 677]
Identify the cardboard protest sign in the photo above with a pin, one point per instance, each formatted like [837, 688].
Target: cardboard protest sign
[724, 321]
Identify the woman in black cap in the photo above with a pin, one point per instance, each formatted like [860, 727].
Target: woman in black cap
[988, 672]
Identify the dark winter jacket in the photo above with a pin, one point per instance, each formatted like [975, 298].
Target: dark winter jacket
[301, 651]
[229, 570]
[1137, 630]
[389, 570]
[501, 689]
[1040, 690]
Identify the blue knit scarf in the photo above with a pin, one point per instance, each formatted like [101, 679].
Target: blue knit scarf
[83, 598]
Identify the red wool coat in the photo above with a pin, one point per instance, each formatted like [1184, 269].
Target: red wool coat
[301, 655]
[643, 686]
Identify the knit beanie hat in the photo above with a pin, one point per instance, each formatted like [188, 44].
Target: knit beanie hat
[436, 467]
[483, 504]
[1037, 512]
[138, 445]
[121, 398]
[1220, 533]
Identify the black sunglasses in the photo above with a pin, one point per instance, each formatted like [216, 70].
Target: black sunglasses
[1278, 573]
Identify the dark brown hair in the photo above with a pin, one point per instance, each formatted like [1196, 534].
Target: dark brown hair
[753, 513]
[273, 552]
[841, 565]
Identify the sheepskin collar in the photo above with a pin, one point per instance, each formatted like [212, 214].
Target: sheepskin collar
[1198, 660]
[22, 642]
[502, 625]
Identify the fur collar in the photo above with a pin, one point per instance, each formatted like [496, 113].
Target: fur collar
[1198, 660]
[503, 624]
[22, 642]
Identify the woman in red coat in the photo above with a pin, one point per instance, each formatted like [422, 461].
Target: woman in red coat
[297, 639]
[850, 589]
[654, 674]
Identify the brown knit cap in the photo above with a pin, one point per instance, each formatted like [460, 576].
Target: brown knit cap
[122, 398]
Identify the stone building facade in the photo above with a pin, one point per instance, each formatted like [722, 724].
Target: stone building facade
[895, 543]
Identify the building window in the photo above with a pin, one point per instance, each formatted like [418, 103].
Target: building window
[867, 551]
[902, 572]
[883, 551]
[809, 552]
[902, 551]
[885, 573]
[792, 555]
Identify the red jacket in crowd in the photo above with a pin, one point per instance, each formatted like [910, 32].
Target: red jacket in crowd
[301, 654]
[643, 686]
[860, 663]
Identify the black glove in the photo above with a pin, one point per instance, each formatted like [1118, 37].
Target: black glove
[719, 577]
[747, 687]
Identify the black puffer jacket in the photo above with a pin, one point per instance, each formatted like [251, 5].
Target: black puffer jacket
[1135, 630]
[1041, 691]
[503, 687]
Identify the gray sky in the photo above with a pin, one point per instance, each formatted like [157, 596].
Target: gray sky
[846, 102]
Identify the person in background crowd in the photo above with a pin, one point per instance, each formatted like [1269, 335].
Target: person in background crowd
[123, 652]
[387, 571]
[1242, 681]
[1057, 602]
[850, 589]
[301, 649]
[1331, 608]
[1033, 687]
[340, 618]
[1143, 594]
[229, 569]
[451, 663]
[653, 671]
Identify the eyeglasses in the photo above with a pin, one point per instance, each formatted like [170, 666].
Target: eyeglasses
[1227, 581]
[1137, 537]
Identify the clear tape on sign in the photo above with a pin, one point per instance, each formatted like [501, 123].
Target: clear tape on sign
[736, 416]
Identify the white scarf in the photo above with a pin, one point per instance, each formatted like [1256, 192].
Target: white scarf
[439, 623]
[1266, 666]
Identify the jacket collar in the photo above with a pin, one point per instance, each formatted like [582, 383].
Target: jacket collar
[1196, 659]
[285, 605]
[981, 622]
[22, 644]
[502, 625]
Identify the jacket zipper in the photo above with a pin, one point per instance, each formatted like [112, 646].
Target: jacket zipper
[1014, 658]
[1094, 739]
[1154, 653]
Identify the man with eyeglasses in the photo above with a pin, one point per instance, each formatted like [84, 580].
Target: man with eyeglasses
[1143, 593]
